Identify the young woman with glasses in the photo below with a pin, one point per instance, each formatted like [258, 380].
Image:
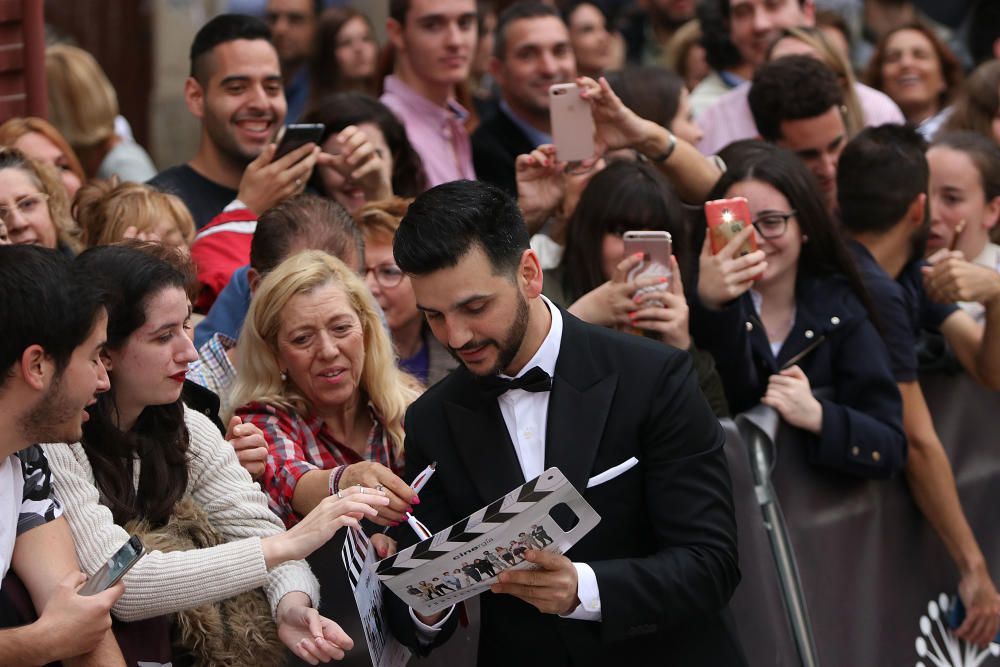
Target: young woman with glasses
[420, 353]
[790, 324]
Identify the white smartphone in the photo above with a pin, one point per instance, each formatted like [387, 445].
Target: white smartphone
[115, 568]
[572, 123]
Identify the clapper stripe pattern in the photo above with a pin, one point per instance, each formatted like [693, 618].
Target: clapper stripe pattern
[353, 554]
[467, 530]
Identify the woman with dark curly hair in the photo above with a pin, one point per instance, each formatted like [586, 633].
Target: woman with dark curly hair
[921, 75]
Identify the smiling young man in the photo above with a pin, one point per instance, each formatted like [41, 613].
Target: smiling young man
[531, 52]
[538, 388]
[235, 90]
[433, 42]
[53, 331]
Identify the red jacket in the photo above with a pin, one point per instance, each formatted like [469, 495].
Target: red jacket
[221, 247]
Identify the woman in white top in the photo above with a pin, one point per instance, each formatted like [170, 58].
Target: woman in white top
[143, 451]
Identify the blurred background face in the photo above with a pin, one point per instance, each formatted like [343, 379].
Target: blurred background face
[956, 195]
[538, 55]
[397, 300]
[438, 40]
[911, 73]
[348, 193]
[356, 50]
[293, 28]
[683, 124]
[753, 24]
[38, 147]
[591, 41]
[25, 210]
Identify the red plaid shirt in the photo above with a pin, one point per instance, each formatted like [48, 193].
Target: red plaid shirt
[297, 445]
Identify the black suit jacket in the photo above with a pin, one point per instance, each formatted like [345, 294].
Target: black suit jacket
[665, 550]
[496, 143]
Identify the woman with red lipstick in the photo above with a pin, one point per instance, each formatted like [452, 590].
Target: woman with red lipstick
[318, 375]
[146, 458]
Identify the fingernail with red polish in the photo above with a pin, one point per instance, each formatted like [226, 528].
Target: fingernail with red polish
[409, 510]
[394, 524]
[415, 500]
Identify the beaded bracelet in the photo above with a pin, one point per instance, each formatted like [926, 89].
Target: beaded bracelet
[335, 476]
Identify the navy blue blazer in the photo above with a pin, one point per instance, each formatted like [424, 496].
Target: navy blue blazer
[849, 371]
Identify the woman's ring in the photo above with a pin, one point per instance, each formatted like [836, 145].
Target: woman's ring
[338, 495]
[379, 488]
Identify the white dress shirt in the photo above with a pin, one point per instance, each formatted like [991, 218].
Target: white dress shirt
[525, 414]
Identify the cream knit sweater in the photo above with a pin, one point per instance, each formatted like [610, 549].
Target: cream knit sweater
[163, 583]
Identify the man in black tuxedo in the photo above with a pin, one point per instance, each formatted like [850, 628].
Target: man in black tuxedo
[649, 585]
[531, 52]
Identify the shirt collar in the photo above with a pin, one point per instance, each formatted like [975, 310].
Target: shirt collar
[536, 136]
[548, 352]
[420, 105]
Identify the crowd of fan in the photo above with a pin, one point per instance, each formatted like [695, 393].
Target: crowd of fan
[263, 345]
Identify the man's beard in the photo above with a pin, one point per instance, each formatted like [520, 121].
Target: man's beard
[511, 345]
[918, 239]
[54, 419]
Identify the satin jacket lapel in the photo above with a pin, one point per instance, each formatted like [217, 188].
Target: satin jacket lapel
[578, 407]
[483, 443]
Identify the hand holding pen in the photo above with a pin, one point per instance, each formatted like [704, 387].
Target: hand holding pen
[371, 475]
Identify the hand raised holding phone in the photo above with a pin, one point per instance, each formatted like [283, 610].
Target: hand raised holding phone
[667, 314]
[728, 274]
[269, 180]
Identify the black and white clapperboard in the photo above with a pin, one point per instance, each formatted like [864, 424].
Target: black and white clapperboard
[463, 560]
[359, 561]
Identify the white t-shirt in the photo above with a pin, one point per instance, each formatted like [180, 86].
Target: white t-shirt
[11, 488]
[26, 499]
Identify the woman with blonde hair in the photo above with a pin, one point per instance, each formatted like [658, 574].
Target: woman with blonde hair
[106, 210]
[37, 139]
[83, 106]
[33, 204]
[317, 374]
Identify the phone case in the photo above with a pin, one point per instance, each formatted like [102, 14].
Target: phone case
[572, 123]
[656, 248]
[727, 218]
[291, 137]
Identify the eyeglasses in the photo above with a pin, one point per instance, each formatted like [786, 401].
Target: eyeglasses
[26, 206]
[386, 275]
[772, 224]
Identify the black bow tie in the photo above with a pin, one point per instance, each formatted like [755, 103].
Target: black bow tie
[534, 380]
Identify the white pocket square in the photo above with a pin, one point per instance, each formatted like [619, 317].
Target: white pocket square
[611, 473]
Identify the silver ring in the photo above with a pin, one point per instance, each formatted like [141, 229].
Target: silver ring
[379, 488]
[298, 182]
[338, 495]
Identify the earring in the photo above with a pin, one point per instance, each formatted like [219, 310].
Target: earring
[805, 238]
[284, 376]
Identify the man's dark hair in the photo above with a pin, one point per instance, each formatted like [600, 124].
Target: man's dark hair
[984, 30]
[447, 221]
[46, 301]
[713, 17]
[305, 222]
[398, 10]
[792, 88]
[223, 28]
[879, 175]
[523, 9]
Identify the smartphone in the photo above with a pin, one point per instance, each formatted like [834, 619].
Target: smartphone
[656, 248]
[572, 123]
[291, 137]
[115, 568]
[956, 616]
[727, 218]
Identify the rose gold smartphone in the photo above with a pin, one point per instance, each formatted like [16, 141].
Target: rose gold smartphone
[572, 123]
